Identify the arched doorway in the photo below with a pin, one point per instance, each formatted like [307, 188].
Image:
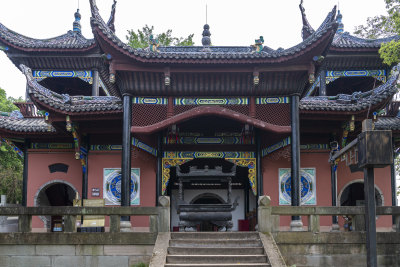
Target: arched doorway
[54, 193]
[352, 194]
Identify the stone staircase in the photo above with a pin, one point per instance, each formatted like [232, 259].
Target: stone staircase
[223, 249]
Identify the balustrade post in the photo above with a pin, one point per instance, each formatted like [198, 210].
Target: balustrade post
[265, 220]
[153, 224]
[25, 223]
[397, 223]
[313, 223]
[164, 214]
[115, 226]
[70, 223]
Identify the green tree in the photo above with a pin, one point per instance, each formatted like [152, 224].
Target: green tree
[11, 165]
[384, 26]
[140, 39]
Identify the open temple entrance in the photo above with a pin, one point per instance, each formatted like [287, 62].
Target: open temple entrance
[210, 194]
[353, 195]
[56, 193]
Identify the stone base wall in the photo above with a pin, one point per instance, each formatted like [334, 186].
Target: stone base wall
[305, 249]
[74, 255]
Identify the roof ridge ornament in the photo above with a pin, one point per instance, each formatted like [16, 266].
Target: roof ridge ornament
[206, 40]
[153, 44]
[340, 23]
[307, 28]
[77, 22]
[111, 20]
[258, 46]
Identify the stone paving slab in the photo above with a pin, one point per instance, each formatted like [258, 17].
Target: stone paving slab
[89, 250]
[127, 250]
[10, 250]
[61, 250]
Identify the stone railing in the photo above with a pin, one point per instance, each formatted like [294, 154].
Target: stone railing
[159, 221]
[269, 216]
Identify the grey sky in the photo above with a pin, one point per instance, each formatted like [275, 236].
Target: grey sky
[231, 22]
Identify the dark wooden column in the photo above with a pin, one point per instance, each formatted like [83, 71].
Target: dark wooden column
[370, 216]
[159, 167]
[322, 86]
[126, 153]
[393, 183]
[334, 196]
[25, 174]
[95, 85]
[295, 148]
[85, 169]
[260, 190]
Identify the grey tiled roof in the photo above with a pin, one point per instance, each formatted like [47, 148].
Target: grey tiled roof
[24, 124]
[387, 123]
[199, 53]
[345, 40]
[70, 40]
[70, 104]
[357, 101]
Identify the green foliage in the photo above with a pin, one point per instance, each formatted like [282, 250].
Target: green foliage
[140, 39]
[11, 165]
[384, 26]
[390, 52]
[6, 103]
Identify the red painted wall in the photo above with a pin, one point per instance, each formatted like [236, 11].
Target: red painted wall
[98, 160]
[39, 174]
[319, 161]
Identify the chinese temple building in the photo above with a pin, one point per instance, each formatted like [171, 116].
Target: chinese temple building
[202, 124]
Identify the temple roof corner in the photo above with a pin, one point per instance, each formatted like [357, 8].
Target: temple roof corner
[111, 20]
[307, 29]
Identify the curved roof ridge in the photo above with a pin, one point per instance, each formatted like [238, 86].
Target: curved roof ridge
[25, 125]
[346, 40]
[357, 101]
[65, 103]
[69, 40]
[111, 20]
[307, 29]
[176, 53]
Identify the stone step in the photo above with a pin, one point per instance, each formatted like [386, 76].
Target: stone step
[231, 259]
[215, 235]
[217, 243]
[215, 251]
[217, 265]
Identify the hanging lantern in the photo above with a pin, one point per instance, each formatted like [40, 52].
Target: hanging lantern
[167, 80]
[256, 80]
[68, 126]
[352, 123]
[112, 78]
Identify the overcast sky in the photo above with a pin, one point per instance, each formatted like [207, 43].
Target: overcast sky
[233, 22]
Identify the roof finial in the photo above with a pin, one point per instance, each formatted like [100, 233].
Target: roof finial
[206, 40]
[111, 20]
[77, 22]
[339, 17]
[307, 29]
